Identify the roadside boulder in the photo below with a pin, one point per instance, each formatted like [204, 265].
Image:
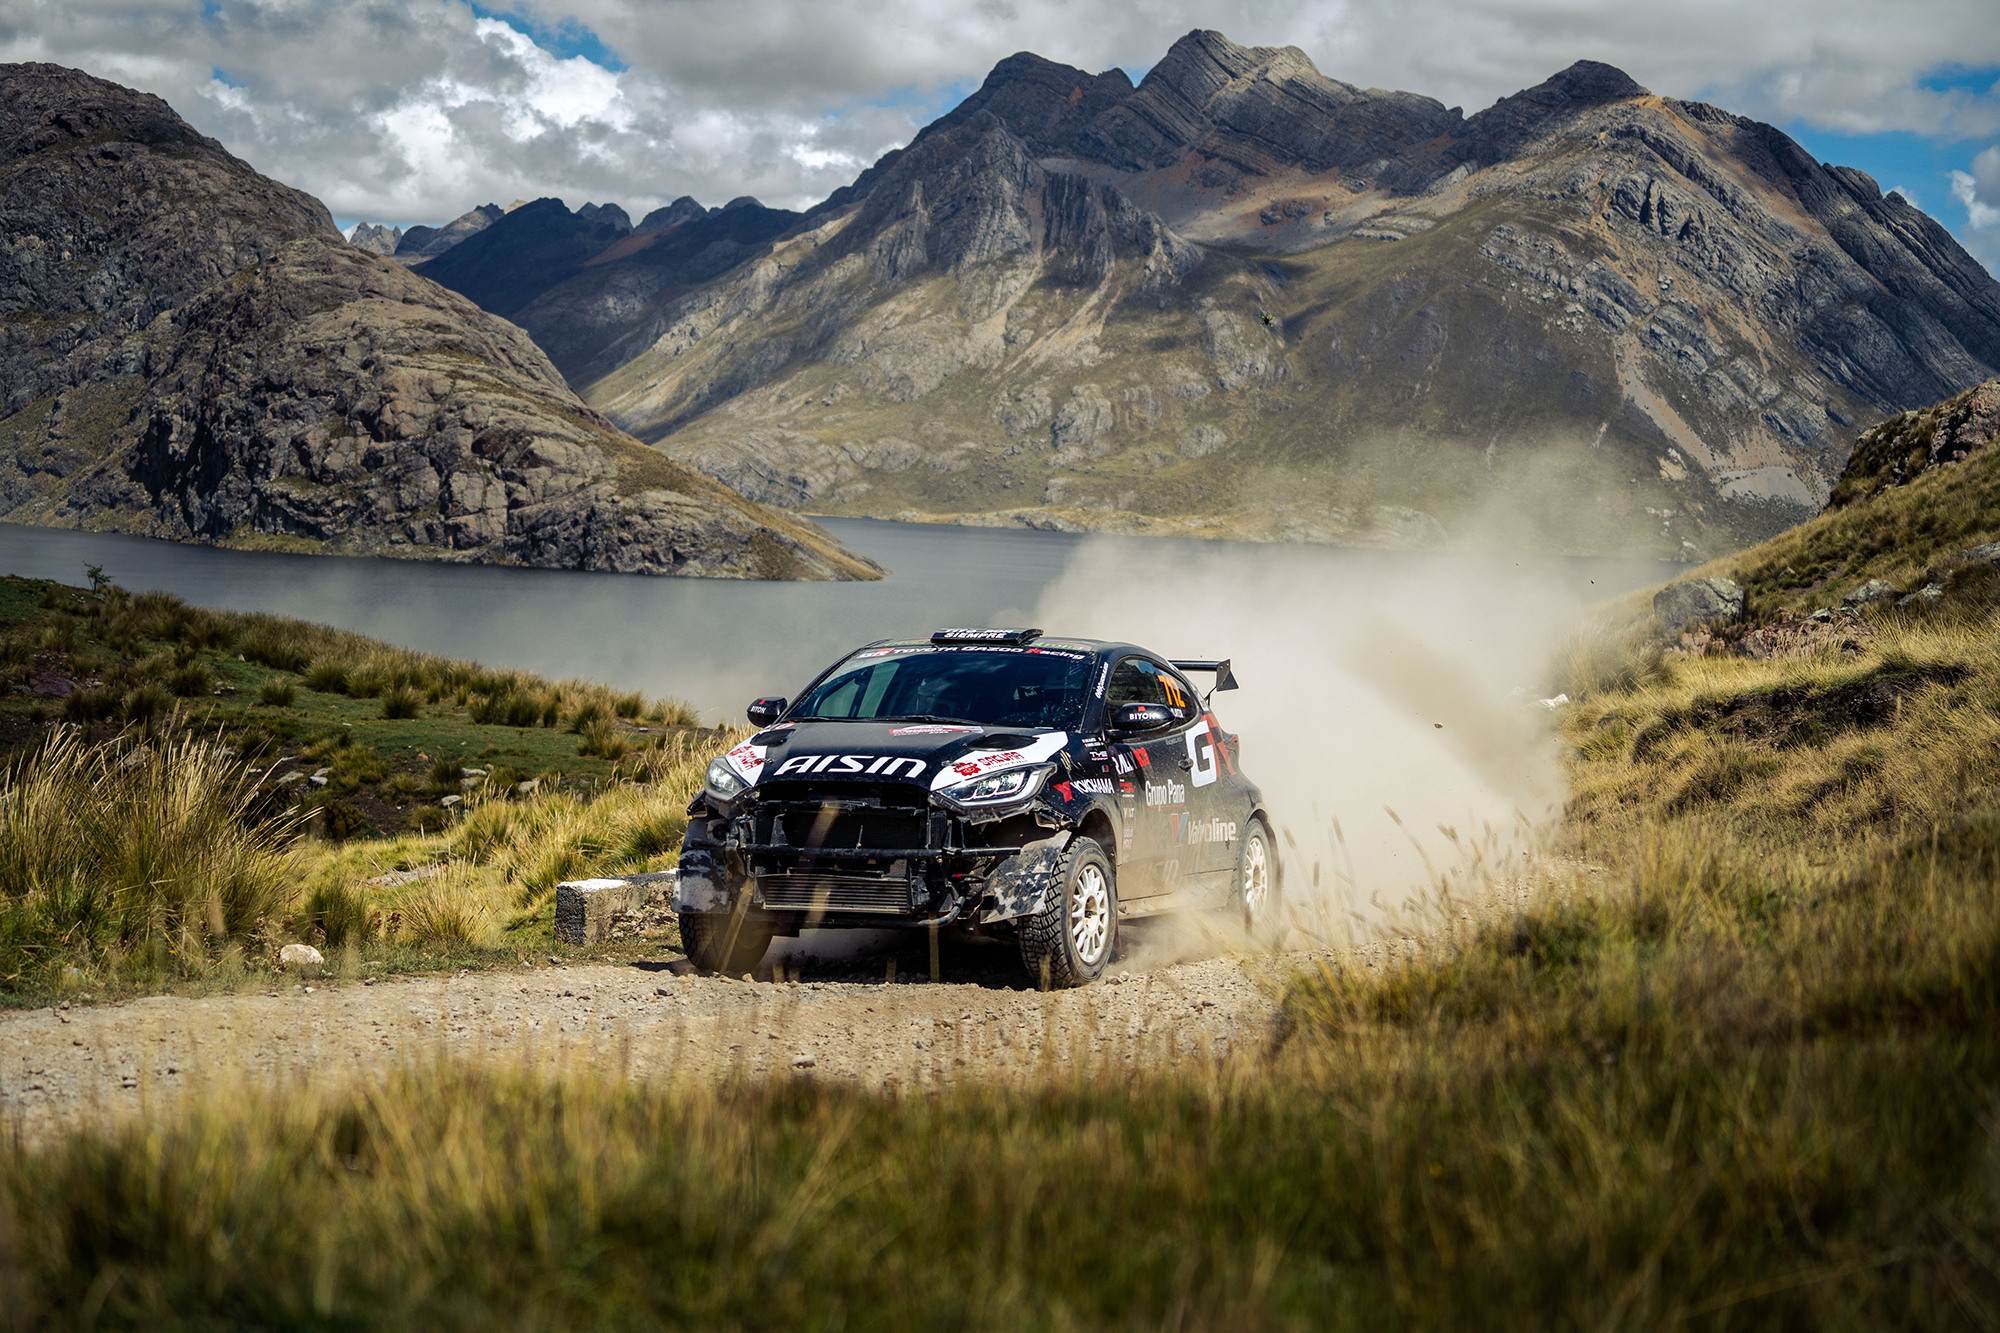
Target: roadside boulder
[294, 956]
[1702, 601]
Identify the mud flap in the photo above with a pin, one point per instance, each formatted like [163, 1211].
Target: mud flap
[1019, 885]
[704, 882]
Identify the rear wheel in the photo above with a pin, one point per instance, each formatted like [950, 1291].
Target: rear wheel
[1069, 942]
[1256, 900]
[728, 942]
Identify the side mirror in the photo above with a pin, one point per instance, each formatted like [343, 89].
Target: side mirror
[1140, 717]
[764, 712]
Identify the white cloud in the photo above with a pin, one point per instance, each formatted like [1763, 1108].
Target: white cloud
[1977, 187]
[413, 110]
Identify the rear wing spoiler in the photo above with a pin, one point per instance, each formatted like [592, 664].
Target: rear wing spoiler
[1224, 679]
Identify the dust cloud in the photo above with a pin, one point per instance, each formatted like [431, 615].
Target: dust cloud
[1387, 705]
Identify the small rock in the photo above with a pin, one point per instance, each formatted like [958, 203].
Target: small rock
[300, 955]
[1703, 601]
[472, 772]
[528, 787]
[1928, 595]
[1988, 554]
[293, 776]
[449, 801]
[1875, 590]
[1822, 616]
[803, 1062]
[662, 990]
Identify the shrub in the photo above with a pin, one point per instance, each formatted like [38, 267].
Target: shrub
[586, 715]
[192, 681]
[59, 634]
[103, 851]
[339, 820]
[400, 702]
[447, 908]
[274, 643]
[327, 676]
[277, 693]
[444, 773]
[339, 911]
[675, 713]
[601, 739]
[629, 706]
[365, 683]
[430, 819]
[87, 706]
[146, 703]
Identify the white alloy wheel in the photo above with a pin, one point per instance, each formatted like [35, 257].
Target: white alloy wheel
[1256, 879]
[1090, 914]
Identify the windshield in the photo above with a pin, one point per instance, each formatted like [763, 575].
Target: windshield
[1004, 687]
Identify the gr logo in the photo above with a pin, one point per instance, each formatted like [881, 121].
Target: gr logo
[1201, 755]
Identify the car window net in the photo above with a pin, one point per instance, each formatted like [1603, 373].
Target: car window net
[1024, 689]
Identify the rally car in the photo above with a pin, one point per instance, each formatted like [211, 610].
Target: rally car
[982, 780]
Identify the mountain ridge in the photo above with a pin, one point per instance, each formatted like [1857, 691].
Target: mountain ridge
[1615, 320]
[191, 351]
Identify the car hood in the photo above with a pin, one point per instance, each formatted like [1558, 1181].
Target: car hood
[932, 753]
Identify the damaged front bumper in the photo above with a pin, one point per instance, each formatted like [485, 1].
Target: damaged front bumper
[870, 860]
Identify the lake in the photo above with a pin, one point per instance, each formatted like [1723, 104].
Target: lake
[718, 643]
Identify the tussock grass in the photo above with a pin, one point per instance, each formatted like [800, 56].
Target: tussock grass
[153, 854]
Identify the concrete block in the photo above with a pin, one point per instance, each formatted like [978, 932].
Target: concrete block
[585, 907]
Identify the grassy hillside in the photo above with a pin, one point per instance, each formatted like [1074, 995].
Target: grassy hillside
[1735, 1069]
[391, 807]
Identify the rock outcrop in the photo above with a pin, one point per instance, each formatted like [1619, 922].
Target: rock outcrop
[375, 239]
[1896, 452]
[194, 353]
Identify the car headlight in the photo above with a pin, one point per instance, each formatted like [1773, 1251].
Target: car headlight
[1016, 784]
[722, 781]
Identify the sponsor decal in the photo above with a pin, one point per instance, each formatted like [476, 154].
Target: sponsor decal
[972, 768]
[1122, 761]
[977, 635]
[932, 729]
[1084, 787]
[1194, 831]
[1221, 744]
[747, 760]
[1172, 793]
[1145, 760]
[1127, 789]
[870, 765]
[1201, 755]
[1176, 696]
[1103, 676]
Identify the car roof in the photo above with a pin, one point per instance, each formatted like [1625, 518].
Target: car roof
[1101, 647]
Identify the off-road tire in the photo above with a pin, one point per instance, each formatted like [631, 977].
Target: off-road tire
[707, 937]
[1254, 899]
[1049, 938]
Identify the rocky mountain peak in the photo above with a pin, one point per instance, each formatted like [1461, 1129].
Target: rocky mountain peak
[684, 209]
[99, 190]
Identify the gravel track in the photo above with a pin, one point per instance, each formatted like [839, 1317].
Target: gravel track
[844, 1021]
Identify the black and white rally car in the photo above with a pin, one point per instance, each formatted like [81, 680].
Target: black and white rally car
[986, 780]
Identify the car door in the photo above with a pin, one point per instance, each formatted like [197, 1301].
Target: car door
[1156, 766]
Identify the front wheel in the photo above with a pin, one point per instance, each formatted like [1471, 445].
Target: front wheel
[1256, 898]
[1069, 942]
[727, 942]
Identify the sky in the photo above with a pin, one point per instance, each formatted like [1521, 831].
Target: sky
[407, 111]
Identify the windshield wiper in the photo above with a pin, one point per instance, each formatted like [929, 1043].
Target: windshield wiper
[930, 717]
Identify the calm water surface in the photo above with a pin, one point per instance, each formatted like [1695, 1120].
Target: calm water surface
[718, 642]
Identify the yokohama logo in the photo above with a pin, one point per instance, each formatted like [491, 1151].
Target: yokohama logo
[885, 766]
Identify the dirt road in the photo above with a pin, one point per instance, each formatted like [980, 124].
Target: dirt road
[843, 1021]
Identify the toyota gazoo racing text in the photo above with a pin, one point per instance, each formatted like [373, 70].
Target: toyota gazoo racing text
[983, 780]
